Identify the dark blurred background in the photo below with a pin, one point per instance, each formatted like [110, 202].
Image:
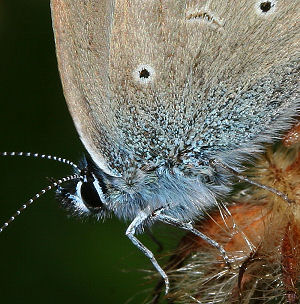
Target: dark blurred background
[46, 256]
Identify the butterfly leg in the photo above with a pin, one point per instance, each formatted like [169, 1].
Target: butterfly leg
[189, 227]
[139, 221]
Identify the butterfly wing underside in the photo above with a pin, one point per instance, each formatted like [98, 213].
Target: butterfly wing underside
[138, 75]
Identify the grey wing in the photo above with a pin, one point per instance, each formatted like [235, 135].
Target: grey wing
[145, 80]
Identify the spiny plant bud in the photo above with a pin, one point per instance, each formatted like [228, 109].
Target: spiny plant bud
[260, 233]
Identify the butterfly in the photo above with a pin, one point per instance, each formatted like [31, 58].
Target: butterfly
[169, 98]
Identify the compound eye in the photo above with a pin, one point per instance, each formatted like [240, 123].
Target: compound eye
[90, 196]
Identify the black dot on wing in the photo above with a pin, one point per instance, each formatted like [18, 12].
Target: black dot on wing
[144, 73]
[265, 6]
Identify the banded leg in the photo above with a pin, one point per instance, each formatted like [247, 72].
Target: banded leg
[189, 227]
[158, 215]
[130, 232]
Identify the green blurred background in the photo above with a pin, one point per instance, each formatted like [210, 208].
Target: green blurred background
[46, 256]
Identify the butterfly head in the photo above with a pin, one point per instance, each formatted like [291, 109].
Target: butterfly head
[87, 195]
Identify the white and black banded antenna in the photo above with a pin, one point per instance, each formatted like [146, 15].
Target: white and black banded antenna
[42, 156]
[53, 185]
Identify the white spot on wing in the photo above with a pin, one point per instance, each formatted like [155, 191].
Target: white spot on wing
[144, 74]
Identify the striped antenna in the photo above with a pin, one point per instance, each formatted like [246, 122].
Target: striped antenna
[43, 156]
[36, 196]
